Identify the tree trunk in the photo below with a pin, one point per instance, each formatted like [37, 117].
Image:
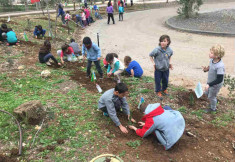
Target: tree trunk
[115, 6]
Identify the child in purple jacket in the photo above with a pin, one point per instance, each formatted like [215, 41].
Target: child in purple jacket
[110, 12]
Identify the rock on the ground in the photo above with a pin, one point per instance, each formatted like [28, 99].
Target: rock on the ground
[45, 73]
[21, 67]
[31, 112]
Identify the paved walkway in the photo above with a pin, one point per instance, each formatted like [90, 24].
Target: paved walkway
[15, 14]
[138, 35]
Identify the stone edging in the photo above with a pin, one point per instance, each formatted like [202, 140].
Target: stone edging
[198, 31]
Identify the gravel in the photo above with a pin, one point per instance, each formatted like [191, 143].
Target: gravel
[222, 21]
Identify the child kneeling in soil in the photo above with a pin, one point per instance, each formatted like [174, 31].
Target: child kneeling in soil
[93, 55]
[38, 31]
[216, 73]
[45, 54]
[11, 38]
[106, 64]
[66, 53]
[112, 101]
[3, 33]
[133, 68]
[75, 47]
[161, 57]
[115, 67]
[168, 125]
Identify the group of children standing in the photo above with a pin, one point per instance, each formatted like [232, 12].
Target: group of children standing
[110, 11]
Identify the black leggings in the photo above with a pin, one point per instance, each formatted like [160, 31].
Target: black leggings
[110, 15]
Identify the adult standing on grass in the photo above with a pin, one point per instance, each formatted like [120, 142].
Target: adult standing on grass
[93, 55]
[61, 13]
[109, 10]
[112, 101]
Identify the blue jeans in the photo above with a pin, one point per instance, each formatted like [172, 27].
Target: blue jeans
[161, 77]
[167, 107]
[79, 19]
[48, 57]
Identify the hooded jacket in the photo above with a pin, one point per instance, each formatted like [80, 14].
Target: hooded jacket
[168, 125]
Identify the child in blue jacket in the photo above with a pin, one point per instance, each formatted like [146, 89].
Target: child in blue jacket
[168, 125]
[133, 68]
[11, 37]
[38, 31]
[93, 55]
[62, 13]
[121, 11]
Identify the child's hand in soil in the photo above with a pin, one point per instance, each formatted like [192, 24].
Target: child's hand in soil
[109, 74]
[132, 127]
[133, 120]
[141, 124]
[123, 129]
[59, 64]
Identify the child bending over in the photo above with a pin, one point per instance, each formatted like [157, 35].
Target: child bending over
[115, 67]
[11, 38]
[112, 101]
[65, 53]
[75, 47]
[38, 31]
[93, 55]
[133, 68]
[167, 125]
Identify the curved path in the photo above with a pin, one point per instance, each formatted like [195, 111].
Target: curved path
[138, 35]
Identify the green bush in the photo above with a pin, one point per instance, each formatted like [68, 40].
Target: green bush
[230, 83]
[189, 7]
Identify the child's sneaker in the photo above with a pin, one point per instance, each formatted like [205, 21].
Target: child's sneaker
[48, 63]
[105, 114]
[159, 95]
[165, 93]
[101, 78]
[209, 110]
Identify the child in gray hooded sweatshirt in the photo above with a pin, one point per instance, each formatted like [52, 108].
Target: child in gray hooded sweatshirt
[112, 101]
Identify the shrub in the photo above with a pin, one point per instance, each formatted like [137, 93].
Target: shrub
[230, 83]
[189, 7]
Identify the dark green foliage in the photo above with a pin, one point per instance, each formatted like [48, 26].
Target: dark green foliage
[230, 83]
[5, 2]
[189, 7]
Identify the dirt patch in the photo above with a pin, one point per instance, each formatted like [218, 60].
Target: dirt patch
[10, 22]
[80, 77]
[190, 100]
[60, 141]
[44, 18]
[7, 159]
[49, 147]
[209, 143]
